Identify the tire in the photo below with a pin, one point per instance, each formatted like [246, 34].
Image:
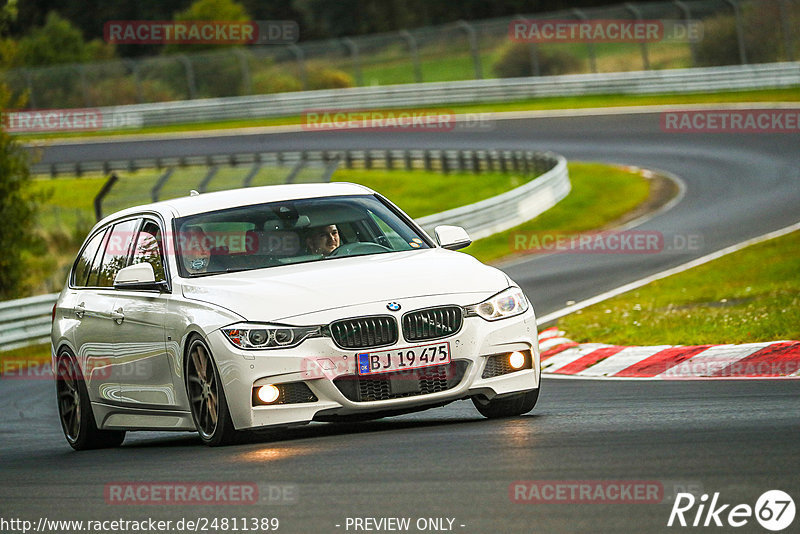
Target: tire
[75, 409]
[508, 406]
[206, 397]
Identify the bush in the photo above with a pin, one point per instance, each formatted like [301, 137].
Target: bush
[274, 81]
[121, 91]
[320, 77]
[515, 61]
[17, 209]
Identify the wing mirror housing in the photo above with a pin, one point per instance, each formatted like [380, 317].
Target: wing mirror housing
[139, 276]
[452, 237]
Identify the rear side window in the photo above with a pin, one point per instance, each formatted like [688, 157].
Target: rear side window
[84, 263]
[115, 254]
[148, 249]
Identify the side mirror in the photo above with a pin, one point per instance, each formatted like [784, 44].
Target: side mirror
[139, 276]
[452, 237]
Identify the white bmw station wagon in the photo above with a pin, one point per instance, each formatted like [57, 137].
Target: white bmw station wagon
[281, 305]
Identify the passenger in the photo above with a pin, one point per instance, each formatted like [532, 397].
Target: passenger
[323, 240]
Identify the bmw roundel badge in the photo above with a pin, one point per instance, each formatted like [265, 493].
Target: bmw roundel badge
[393, 306]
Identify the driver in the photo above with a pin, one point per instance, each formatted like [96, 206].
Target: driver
[323, 240]
[195, 250]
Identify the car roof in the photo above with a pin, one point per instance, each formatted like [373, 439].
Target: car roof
[192, 205]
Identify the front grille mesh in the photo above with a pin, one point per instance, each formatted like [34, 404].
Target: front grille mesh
[433, 323]
[364, 332]
[498, 365]
[290, 393]
[402, 383]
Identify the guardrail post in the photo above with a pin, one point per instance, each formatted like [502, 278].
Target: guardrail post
[472, 36]
[84, 85]
[739, 30]
[533, 53]
[476, 162]
[427, 161]
[461, 161]
[247, 82]
[352, 46]
[638, 14]
[202, 187]
[253, 172]
[348, 159]
[297, 168]
[409, 163]
[414, 51]
[786, 29]
[589, 45]
[330, 168]
[389, 160]
[367, 159]
[687, 15]
[31, 94]
[133, 65]
[443, 162]
[300, 56]
[156, 191]
[190, 82]
[98, 199]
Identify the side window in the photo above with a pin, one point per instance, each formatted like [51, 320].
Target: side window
[115, 253]
[148, 249]
[84, 263]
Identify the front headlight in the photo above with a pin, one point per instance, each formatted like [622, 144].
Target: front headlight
[507, 303]
[255, 336]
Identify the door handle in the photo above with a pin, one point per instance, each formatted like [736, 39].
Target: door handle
[118, 316]
[80, 309]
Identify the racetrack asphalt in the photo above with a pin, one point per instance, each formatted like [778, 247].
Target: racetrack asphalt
[736, 438]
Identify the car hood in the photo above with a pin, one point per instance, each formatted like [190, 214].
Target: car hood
[280, 293]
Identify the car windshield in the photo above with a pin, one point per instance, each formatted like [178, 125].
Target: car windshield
[291, 231]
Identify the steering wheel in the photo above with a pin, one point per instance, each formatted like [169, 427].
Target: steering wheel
[359, 247]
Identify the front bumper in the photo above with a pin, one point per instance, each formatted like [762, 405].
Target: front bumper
[317, 362]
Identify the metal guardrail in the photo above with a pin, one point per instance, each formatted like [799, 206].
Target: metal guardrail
[733, 32]
[26, 321]
[511, 208]
[522, 162]
[707, 79]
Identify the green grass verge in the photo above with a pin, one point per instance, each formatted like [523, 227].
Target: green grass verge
[600, 194]
[548, 103]
[22, 358]
[749, 296]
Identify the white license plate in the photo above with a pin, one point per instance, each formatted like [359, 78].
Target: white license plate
[384, 361]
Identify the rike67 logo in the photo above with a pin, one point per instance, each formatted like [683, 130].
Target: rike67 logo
[774, 510]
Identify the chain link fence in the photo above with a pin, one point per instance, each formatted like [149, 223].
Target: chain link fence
[734, 32]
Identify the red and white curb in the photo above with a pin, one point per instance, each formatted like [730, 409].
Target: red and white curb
[561, 356]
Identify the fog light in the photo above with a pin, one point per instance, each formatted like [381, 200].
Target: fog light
[516, 360]
[268, 394]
